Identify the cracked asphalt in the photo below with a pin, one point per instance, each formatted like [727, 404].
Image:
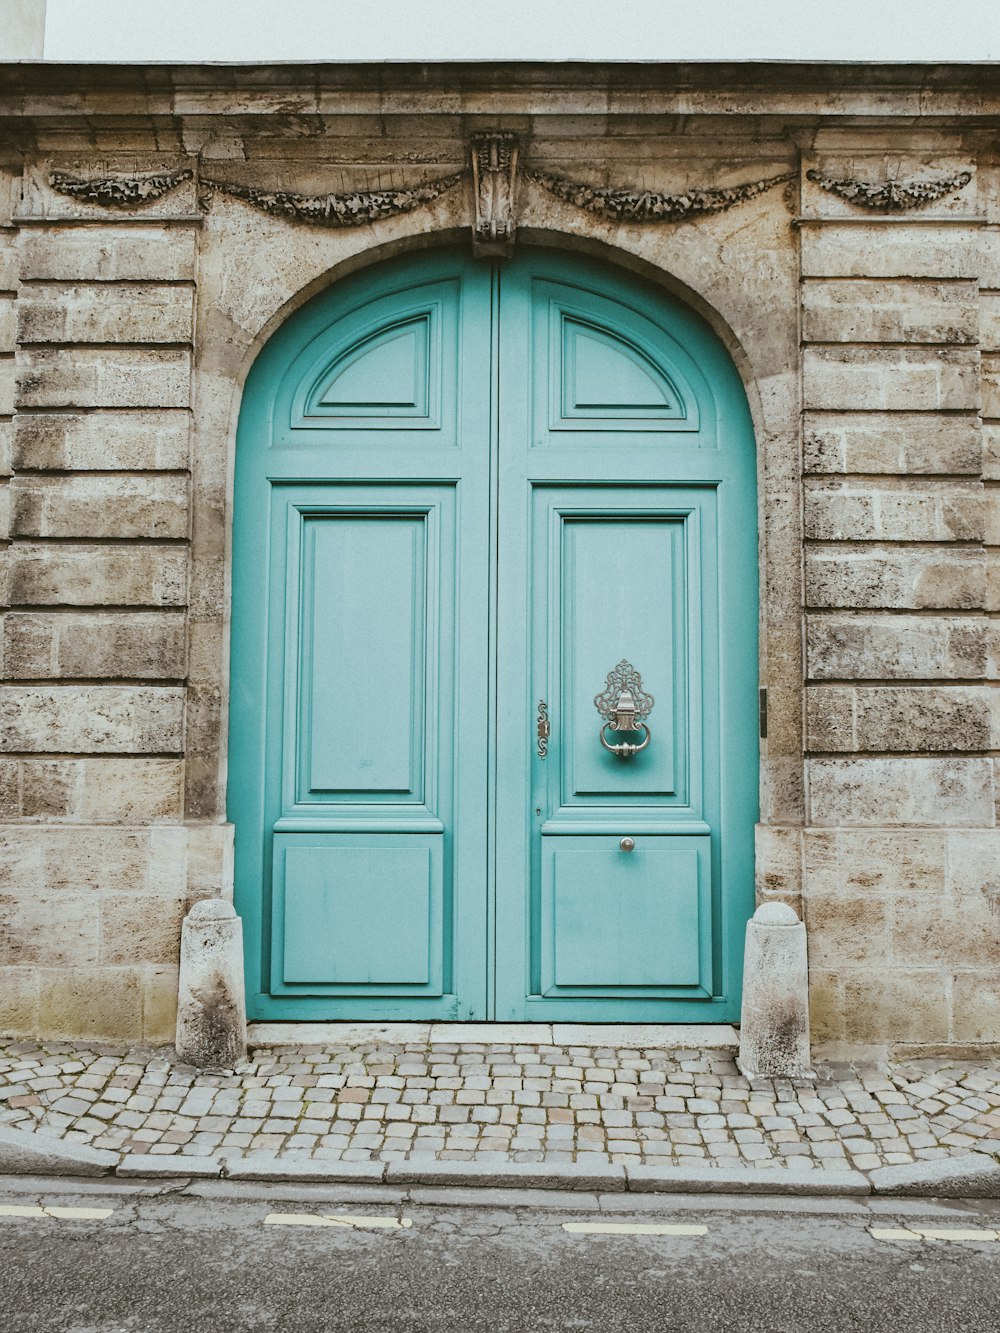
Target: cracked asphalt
[160, 1259]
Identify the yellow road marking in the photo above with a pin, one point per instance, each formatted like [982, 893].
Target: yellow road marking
[33, 1210]
[932, 1233]
[336, 1220]
[634, 1229]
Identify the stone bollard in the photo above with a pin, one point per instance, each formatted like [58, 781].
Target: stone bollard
[211, 1000]
[774, 1027]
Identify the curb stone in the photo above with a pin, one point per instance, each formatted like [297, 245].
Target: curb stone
[145, 1166]
[641, 1179]
[971, 1176]
[28, 1153]
[607, 1178]
[251, 1167]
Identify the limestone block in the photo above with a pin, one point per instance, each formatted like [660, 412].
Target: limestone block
[91, 719]
[6, 447]
[131, 791]
[139, 929]
[159, 1004]
[8, 266]
[897, 250]
[954, 792]
[119, 644]
[861, 311]
[991, 598]
[49, 788]
[991, 386]
[8, 385]
[103, 377]
[893, 1005]
[905, 718]
[73, 859]
[105, 314]
[873, 379]
[973, 864]
[211, 1007]
[19, 1001]
[109, 155]
[167, 861]
[873, 861]
[881, 647]
[210, 861]
[103, 1003]
[102, 441]
[10, 789]
[861, 511]
[8, 324]
[145, 505]
[774, 1020]
[989, 258]
[989, 321]
[846, 930]
[976, 1005]
[892, 443]
[950, 933]
[778, 862]
[95, 575]
[108, 254]
[50, 929]
[869, 157]
[905, 580]
[991, 451]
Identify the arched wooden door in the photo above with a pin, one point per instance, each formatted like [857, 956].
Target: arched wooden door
[468, 500]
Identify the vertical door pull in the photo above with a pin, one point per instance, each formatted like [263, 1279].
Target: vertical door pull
[544, 729]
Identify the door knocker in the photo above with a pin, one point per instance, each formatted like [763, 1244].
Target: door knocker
[624, 705]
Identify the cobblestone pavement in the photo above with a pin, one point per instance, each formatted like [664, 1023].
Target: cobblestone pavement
[502, 1102]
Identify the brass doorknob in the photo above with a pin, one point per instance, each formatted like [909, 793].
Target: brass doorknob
[627, 844]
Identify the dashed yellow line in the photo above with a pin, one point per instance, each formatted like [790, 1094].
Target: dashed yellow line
[634, 1229]
[932, 1233]
[35, 1210]
[337, 1220]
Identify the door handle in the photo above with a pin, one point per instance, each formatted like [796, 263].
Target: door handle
[624, 705]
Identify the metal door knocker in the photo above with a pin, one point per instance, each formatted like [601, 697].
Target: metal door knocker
[624, 705]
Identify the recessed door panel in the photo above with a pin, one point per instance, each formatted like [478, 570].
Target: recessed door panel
[622, 595]
[358, 914]
[616, 923]
[364, 608]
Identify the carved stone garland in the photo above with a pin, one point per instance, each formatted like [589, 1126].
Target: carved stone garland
[647, 206]
[334, 210]
[119, 190]
[890, 196]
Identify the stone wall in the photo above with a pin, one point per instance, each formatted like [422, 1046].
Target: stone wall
[869, 342]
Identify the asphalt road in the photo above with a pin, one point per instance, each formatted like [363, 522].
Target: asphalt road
[162, 1261]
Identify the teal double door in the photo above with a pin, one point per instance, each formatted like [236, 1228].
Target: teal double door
[466, 496]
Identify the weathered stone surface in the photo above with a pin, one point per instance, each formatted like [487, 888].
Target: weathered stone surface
[991, 385]
[53, 929]
[98, 576]
[904, 580]
[24, 1153]
[905, 718]
[119, 791]
[100, 506]
[892, 442]
[149, 645]
[211, 1008]
[874, 379]
[102, 440]
[112, 254]
[896, 312]
[918, 250]
[926, 934]
[91, 719]
[883, 647]
[103, 377]
[103, 1003]
[774, 1024]
[894, 1003]
[19, 1001]
[976, 1005]
[846, 931]
[953, 792]
[860, 511]
[972, 1176]
[128, 937]
[105, 314]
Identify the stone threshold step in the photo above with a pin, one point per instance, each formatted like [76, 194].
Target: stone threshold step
[663, 1036]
